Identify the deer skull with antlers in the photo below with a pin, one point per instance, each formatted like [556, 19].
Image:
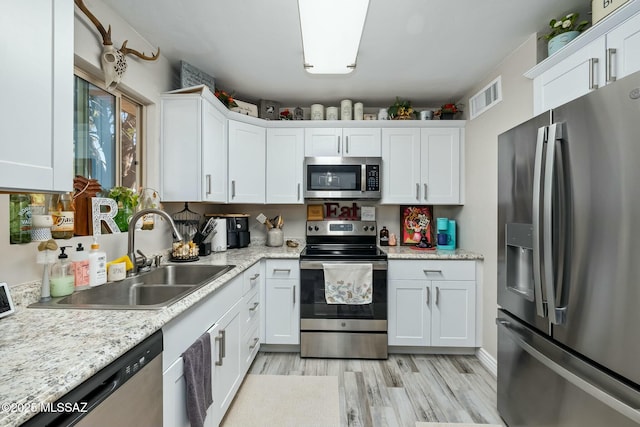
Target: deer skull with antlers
[113, 60]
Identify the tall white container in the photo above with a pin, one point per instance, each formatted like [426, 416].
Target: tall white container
[346, 109]
[97, 265]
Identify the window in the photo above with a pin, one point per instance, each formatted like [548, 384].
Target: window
[107, 135]
[489, 96]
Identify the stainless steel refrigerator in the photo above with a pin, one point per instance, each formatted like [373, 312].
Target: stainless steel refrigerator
[569, 263]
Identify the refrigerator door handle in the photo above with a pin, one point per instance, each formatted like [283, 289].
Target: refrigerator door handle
[556, 315]
[537, 242]
[604, 397]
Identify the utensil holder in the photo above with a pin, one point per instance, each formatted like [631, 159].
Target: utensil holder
[275, 237]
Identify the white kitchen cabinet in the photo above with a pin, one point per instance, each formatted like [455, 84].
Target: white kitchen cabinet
[219, 316]
[421, 165]
[432, 303]
[339, 142]
[227, 366]
[613, 54]
[247, 158]
[282, 305]
[251, 314]
[193, 147]
[285, 156]
[37, 99]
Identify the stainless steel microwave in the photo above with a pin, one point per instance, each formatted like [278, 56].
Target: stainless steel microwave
[342, 177]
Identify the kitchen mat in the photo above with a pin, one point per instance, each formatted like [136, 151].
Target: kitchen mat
[285, 400]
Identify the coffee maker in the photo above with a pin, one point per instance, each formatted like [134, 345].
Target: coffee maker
[446, 233]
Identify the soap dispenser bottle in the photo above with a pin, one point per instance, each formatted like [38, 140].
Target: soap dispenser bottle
[80, 262]
[62, 280]
[97, 265]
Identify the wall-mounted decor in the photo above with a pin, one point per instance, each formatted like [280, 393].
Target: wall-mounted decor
[414, 221]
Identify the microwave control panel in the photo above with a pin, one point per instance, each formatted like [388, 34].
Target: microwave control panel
[373, 178]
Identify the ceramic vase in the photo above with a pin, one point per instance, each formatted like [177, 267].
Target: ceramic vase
[560, 41]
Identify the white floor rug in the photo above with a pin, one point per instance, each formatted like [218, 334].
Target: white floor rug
[419, 424]
[285, 400]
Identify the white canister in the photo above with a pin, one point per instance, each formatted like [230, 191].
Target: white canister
[317, 112]
[275, 237]
[426, 115]
[383, 114]
[332, 113]
[358, 111]
[219, 239]
[346, 109]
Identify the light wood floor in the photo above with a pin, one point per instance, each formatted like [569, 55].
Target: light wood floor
[401, 390]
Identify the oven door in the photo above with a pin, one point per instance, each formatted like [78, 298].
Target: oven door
[316, 314]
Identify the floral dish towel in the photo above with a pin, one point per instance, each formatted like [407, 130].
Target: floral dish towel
[348, 283]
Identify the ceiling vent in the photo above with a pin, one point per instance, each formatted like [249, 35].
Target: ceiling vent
[489, 96]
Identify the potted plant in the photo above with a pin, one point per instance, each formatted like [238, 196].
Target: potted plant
[401, 110]
[225, 98]
[127, 200]
[448, 111]
[563, 30]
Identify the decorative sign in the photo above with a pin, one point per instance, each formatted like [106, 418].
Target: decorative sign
[334, 210]
[416, 221]
[97, 205]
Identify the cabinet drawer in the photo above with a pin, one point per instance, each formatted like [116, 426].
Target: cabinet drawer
[432, 270]
[250, 310]
[282, 269]
[251, 278]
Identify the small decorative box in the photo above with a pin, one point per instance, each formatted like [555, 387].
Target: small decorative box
[269, 110]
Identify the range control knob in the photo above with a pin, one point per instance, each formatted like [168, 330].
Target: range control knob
[310, 228]
[366, 228]
[373, 227]
[316, 228]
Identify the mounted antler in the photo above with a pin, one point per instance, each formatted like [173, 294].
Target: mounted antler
[114, 63]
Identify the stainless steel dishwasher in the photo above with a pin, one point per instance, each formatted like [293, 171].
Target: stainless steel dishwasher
[128, 392]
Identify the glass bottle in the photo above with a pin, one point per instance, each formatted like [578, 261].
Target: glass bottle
[384, 237]
[20, 218]
[63, 217]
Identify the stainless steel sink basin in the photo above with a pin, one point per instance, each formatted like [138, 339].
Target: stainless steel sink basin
[155, 289]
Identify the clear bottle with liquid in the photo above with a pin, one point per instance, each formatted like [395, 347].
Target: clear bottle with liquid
[63, 217]
[61, 280]
[19, 218]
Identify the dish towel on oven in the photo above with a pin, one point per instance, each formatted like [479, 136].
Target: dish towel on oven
[348, 283]
[197, 374]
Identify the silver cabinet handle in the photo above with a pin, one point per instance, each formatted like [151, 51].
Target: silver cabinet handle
[255, 276]
[224, 343]
[255, 343]
[219, 339]
[282, 270]
[294, 294]
[338, 145]
[425, 191]
[593, 62]
[417, 191]
[208, 176]
[428, 295]
[298, 191]
[255, 306]
[233, 188]
[437, 294]
[347, 139]
[610, 76]
[432, 271]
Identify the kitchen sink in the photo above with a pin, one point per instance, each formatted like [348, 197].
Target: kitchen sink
[155, 289]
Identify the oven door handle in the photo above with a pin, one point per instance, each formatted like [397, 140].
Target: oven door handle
[318, 265]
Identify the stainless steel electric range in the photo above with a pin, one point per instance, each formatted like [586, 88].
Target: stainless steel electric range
[342, 330]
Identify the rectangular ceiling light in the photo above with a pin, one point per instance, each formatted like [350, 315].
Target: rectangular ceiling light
[331, 32]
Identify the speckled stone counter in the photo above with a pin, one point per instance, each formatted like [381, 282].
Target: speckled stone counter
[46, 353]
[406, 252]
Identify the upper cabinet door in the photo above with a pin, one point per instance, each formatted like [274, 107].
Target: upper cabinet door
[401, 165]
[321, 142]
[440, 165]
[362, 142]
[623, 49]
[285, 155]
[214, 154]
[246, 163]
[36, 105]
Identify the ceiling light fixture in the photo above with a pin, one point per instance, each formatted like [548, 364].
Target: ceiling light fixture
[331, 32]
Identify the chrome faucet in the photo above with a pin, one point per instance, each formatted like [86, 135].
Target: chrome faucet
[132, 233]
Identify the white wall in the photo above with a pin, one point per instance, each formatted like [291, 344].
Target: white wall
[479, 217]
[17, 262]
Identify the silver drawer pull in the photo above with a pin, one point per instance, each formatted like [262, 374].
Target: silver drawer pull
[432, 271]
[255, 343]
[255, 276]
[255, 305]
[282, 270]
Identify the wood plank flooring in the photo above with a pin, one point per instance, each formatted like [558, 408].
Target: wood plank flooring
[399, 391]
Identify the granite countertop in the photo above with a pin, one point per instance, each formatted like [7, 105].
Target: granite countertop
[46, 353]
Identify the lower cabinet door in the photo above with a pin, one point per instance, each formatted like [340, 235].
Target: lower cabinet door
[174, 398]
[282, 311]
[226, 361]
[409, 313]
[454, 313]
